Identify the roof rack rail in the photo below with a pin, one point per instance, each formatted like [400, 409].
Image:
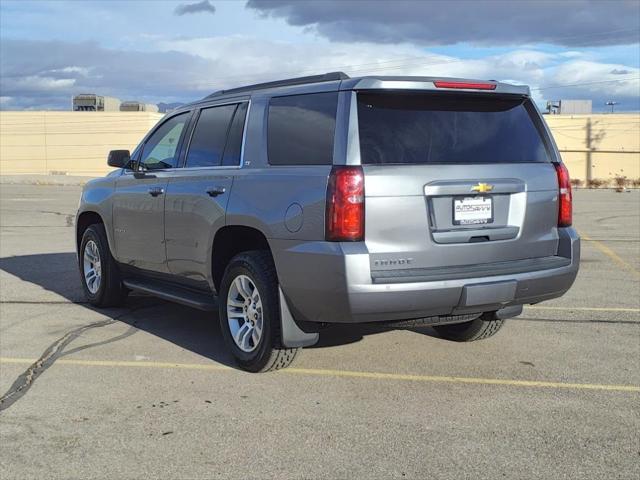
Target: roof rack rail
[325, 77]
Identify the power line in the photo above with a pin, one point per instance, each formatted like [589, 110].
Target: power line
[626, 79]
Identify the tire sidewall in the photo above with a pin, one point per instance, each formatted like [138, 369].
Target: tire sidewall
[257, 359]
[92, 234]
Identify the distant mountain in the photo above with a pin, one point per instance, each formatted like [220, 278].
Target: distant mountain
[167, 107]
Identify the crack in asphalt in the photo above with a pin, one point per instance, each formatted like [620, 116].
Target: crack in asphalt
[55, 351]
[69, 218]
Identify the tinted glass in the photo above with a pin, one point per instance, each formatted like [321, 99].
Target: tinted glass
[234, 139]
[160, 150]
[301, 129]
[209, 137]
[437, 128]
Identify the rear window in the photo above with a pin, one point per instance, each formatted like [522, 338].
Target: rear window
[447, 128]
[301, 129]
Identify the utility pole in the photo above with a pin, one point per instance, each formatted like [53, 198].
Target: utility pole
[611, 103]
[588, 145]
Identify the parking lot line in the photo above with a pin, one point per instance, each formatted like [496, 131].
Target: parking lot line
[611, 254]
[344, 373]
[584, 309]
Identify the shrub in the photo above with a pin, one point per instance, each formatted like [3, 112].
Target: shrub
[576, 182]
[635, 182]
[620, 181]
[597, 183]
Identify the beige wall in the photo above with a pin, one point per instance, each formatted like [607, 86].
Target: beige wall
[77, 143]
[614, 142]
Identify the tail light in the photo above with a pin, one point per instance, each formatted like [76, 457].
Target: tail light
[565, 207]
[345, 205]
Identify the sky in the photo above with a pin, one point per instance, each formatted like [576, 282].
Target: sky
[179, 51]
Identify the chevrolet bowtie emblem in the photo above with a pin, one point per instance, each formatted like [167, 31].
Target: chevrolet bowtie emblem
[482, 188]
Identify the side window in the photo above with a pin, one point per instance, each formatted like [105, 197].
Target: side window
[234, 140]
[301, 128]
[209, 136]
[160, 149]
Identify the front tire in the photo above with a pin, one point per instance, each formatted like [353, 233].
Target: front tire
[249, 312]
[99, 272]
[484, 326]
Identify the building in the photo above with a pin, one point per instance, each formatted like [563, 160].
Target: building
[569, 107]
[134, 106]
[90, 102]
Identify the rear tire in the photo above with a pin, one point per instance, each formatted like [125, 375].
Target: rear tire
[99, 272]
[249, 312]
[484, 326]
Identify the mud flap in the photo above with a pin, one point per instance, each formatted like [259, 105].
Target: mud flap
[292, 335]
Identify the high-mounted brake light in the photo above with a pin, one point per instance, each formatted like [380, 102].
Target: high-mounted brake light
[467, 85]
[345, 205]
[565, 198]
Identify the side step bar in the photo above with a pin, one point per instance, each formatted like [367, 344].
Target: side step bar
[173, 293]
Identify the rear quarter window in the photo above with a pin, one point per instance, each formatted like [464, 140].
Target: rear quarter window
[398, 128]
[301, 128]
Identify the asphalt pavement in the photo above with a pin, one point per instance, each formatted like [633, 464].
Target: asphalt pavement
[147, 391]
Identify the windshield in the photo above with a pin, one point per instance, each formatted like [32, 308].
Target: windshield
[410, 128]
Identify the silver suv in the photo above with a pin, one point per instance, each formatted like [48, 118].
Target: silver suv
[291, 205]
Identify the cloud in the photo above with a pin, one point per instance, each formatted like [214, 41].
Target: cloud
[620, 71]
[595, 79]
[201, 7]
[444, 22]
[185, 69]
[49, 81]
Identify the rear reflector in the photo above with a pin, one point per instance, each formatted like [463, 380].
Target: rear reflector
[345, 205]
[467, 85]
[565, 199]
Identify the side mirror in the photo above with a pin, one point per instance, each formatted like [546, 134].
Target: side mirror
[119, 158]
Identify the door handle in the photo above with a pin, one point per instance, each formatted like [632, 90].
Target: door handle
[154, 192]
[215, 191]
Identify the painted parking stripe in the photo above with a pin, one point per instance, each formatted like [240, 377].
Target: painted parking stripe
[344, 374]
[612, 255]
[583, 309]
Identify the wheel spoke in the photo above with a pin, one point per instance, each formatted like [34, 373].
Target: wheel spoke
[245, 338]
[235, 303]
[246, 287]
[240, 287]
[241, 332]
[258, 326]
[235, 315]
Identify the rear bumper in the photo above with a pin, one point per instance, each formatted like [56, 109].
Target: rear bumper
[332, 283]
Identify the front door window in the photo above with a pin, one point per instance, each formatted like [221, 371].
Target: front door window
[161, 149]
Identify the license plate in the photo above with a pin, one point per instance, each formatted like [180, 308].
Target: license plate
[472, 210]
